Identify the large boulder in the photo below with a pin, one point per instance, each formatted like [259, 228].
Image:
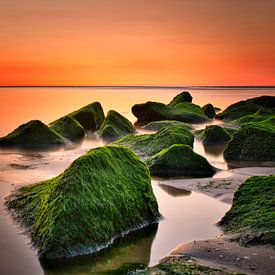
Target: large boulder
[150, 144]
[155, 111]
[248, 107]
[254, 141]
[260, 115]
[252, 214]
[34, 134]
[182, 97]
[115, 126]
[90, 116]
[209, 110]
[101, 196]
[179, 160]
[157, 125]
[215, 135]
[68, 127]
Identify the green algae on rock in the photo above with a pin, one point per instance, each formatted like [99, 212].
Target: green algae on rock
[115, 126]
[90, 116]
[248, 107]
[157, 125]
[209, 110]
[254, 141]
[182, 97]
[260, 115]
[150, 144]
[252, 214]
[215, 135]
[101, 196]
[69, 128]
[33, 134]
[179, 160]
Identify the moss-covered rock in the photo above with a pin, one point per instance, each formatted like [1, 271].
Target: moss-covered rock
[157, 125]
[33, 134]
[254, 141]
[155, 111]
[150, 144]
[260, 115]
[215, 135]
[116, 126]
[248, 107]
[101, 195]
[252, 214]
[182, 97]
[209, 110]
[90, 116]
[69, 128]
[179, 160]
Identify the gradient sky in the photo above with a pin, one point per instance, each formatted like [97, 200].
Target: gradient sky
[135, 42]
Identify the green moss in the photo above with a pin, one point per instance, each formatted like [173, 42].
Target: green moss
[99, 196]
[253, 210]
[179, 160]
[90, 117]
[33, 134]
[69, 128]
[154, 111]
[182, 97]
[254, 141]
[157, 125]
[150, 144]
[249, 107]
[259, 116]
[209, 110]
[215, 135]
[116, 126]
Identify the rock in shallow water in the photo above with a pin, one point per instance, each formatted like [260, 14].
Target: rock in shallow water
[215, 135]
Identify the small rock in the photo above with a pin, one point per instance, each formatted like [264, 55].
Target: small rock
[237, 259]
[246, 257]
[221, 256]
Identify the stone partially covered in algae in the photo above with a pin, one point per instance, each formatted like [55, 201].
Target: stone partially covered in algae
[215, 135]
[115, 126]
[100, 196]
[33, 134]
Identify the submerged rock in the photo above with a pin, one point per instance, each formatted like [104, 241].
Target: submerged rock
[103, 194]
[209, 110]
[150, 144]
[116, 126]
[252, 142]
[33, 134]
[157, 125]
[215, 135]
[248, 107]
[179, 160]
[90, 117]
[182, 97]
[69, 128]
[252, 213]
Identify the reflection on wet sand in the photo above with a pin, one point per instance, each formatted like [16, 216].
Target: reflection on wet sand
[133, 249]
[173, 191]
[214, 150]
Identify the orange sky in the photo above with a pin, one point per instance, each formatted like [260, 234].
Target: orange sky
[135, 42]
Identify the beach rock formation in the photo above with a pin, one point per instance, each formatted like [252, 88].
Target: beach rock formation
[150, 144]
[182, 97]
[179, 160]
[260, 115]
[254, 141]
[34, 134]
[155, 111]
[209, 110]
[90, 117]
[248, 107]
[115, 126]
[157, 125]
[68, 127]
[215, 135]
[101, 196]
[252, 213]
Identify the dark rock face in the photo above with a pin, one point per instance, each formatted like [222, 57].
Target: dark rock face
[100, 196]
[90, 117]
[179, 160]
[215, 135]
[115, 126]
[209, 110]
[33, 134]
[182, 97]
[69, 128]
